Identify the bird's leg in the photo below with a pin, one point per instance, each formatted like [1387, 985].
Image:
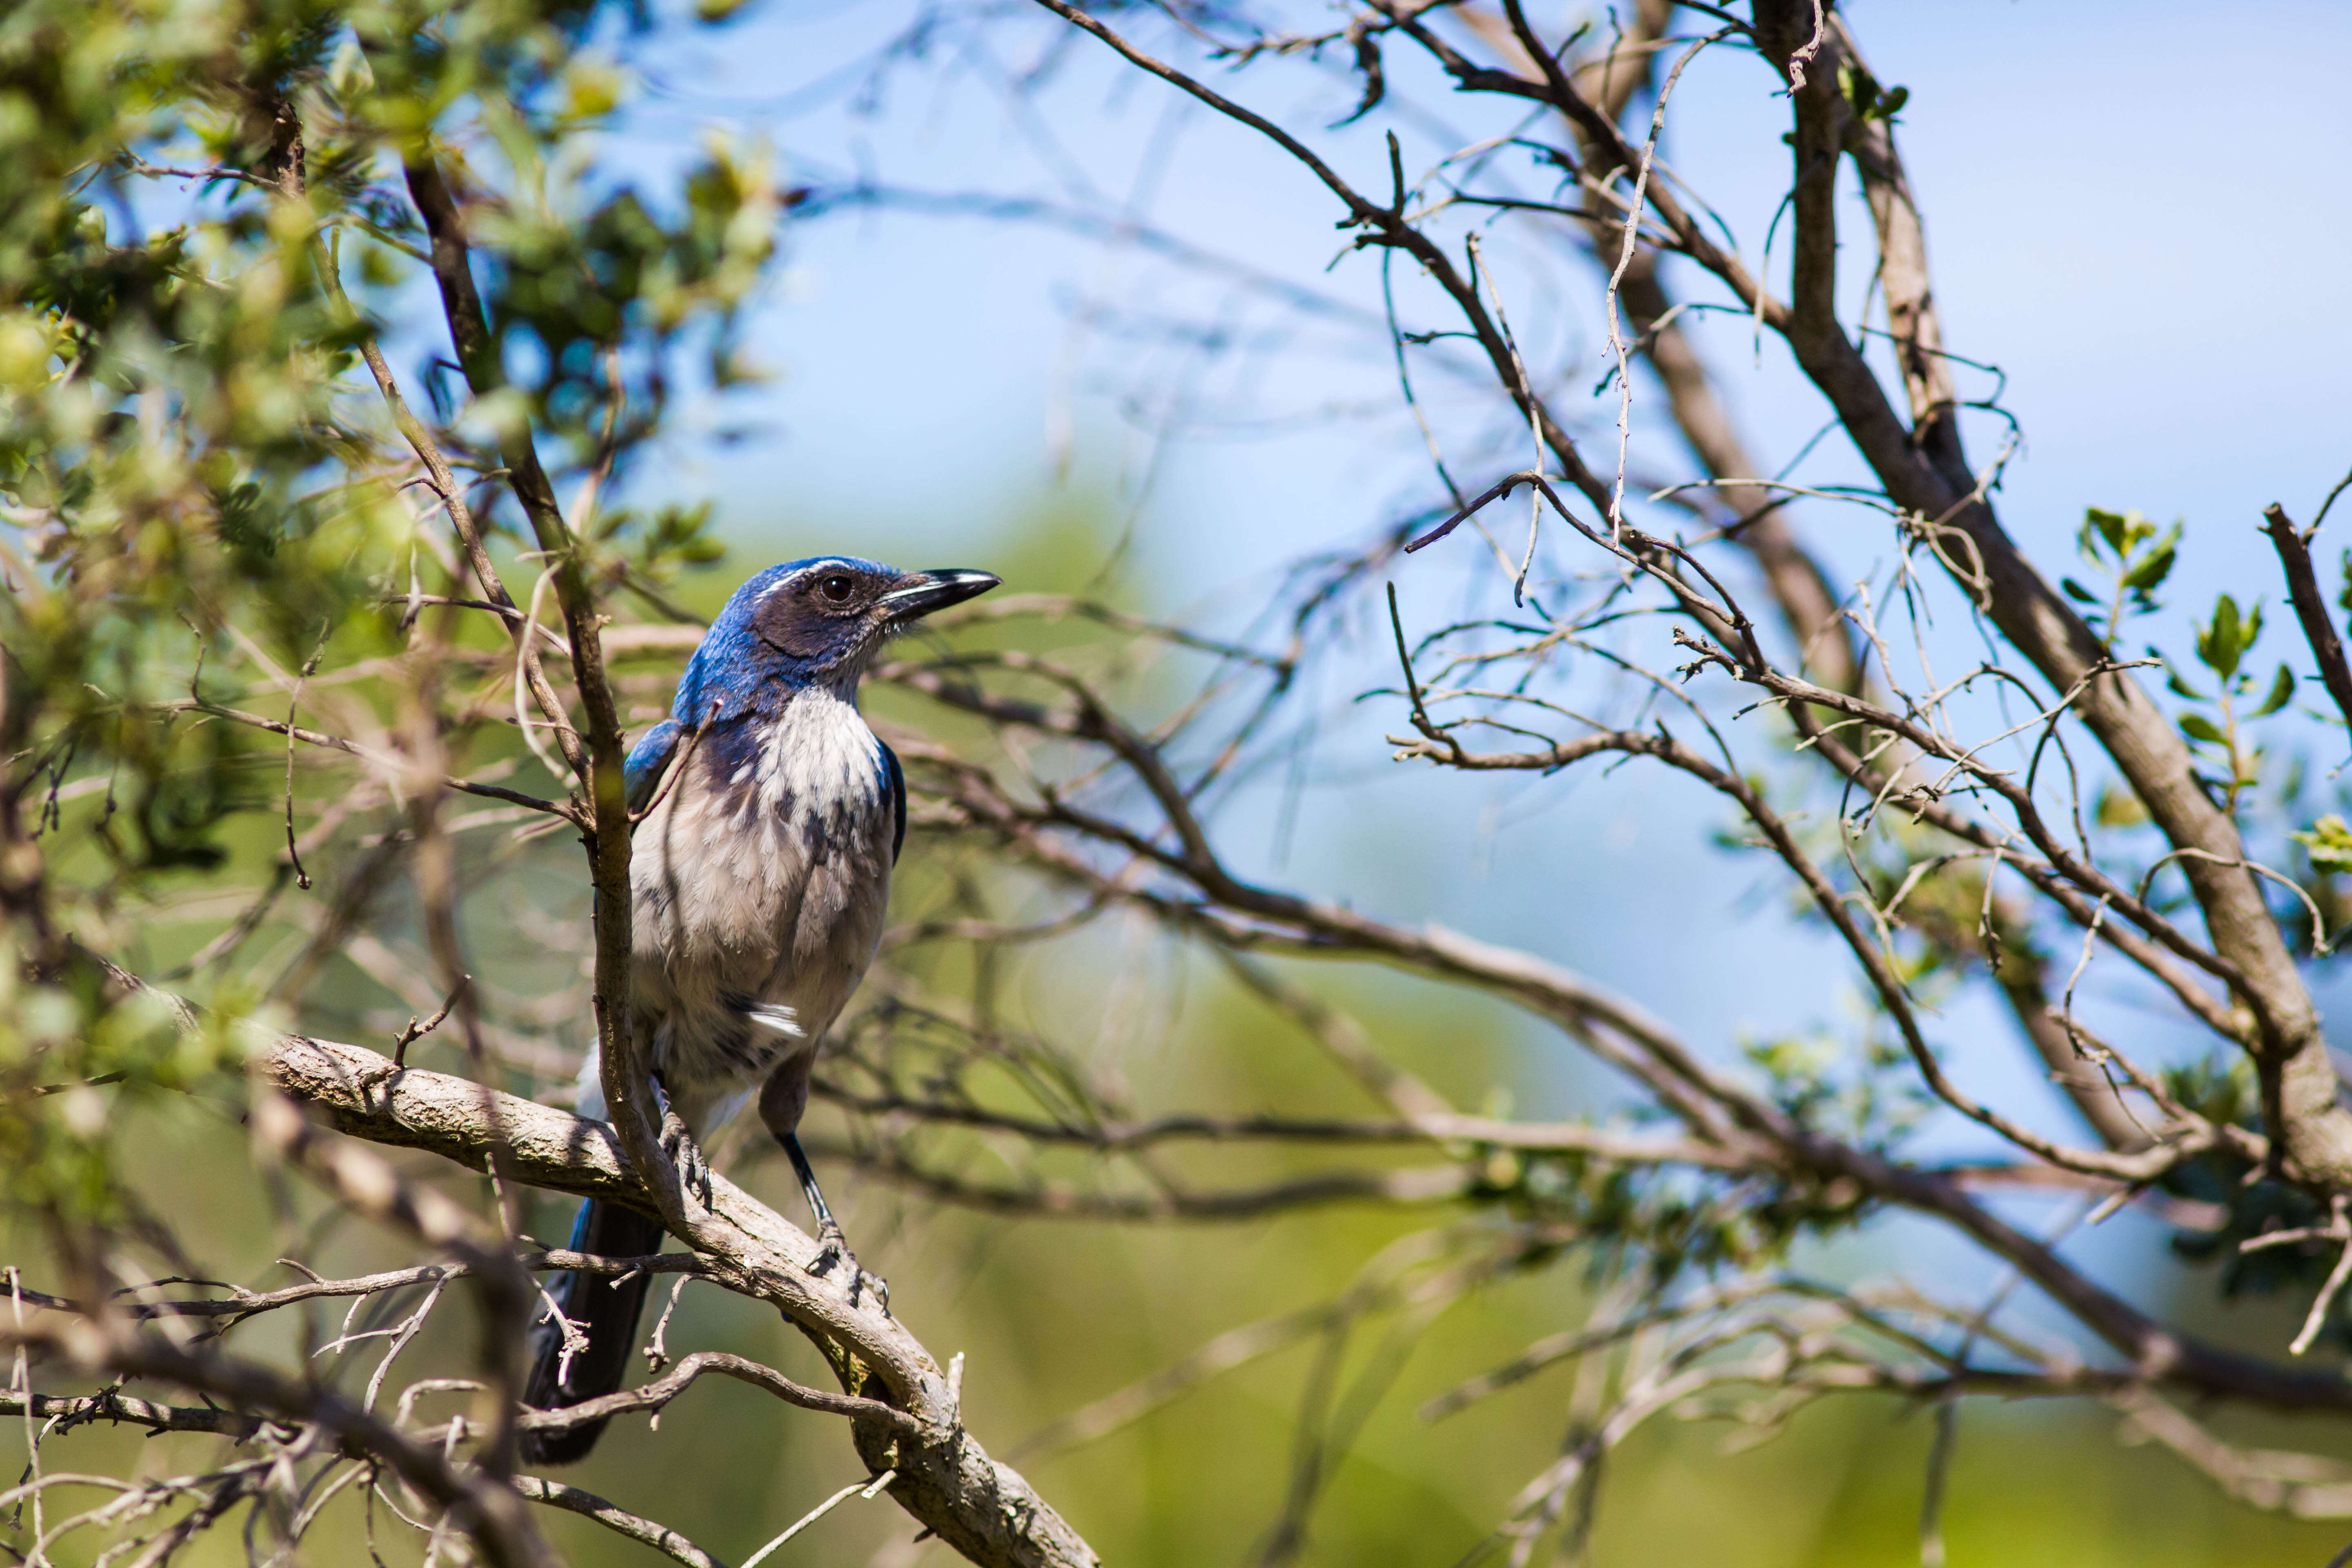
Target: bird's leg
[678, 1142]
[833, 1247]
[782, 1099]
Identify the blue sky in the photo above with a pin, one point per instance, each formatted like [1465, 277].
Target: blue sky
[2137, 215]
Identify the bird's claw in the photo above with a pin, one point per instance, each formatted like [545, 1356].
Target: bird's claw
[833, 1252]
[693, 1167]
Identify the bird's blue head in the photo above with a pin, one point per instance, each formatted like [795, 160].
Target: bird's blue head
[809, 623]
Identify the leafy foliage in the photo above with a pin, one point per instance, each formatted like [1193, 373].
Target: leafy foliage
[206, 230]
[2126, 549]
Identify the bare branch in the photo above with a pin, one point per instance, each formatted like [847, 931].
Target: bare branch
[2294, 549]
[660, 1537]
[985, 1509]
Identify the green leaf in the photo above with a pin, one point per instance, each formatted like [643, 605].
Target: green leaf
[2149, 574]
[593, 90]
[2180, 688]
[2282, 693]
[2329, 843]
[348, 75]
[2075, 591]
[2121, 531]
[2150, 570]
[1856, 86]
[2119, 808]
[2222, 642]
[2197, 727]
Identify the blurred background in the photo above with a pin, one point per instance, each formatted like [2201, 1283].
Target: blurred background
[2137, 211]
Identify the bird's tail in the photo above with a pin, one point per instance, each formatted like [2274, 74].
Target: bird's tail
[607, 1311]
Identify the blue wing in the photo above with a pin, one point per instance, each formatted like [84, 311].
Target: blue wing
[898, 781]
[648, 759]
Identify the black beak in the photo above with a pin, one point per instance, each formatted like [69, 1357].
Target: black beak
[918, 594]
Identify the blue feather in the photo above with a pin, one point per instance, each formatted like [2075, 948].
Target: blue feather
[734, 673]
[894, 779]
[641, 774]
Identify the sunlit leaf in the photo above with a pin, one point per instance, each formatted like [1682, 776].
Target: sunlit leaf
[2110, 526]
[2146, 573]
[2118, 808]
[2222, 642]
[2329, 843]
[2282, 692]
[2197, 727]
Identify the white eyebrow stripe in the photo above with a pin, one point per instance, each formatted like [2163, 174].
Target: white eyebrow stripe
[797, 577]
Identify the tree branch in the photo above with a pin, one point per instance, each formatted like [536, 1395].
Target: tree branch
[2299, 1083]
[982, 1508]
[2310, 609]
[660, 1537]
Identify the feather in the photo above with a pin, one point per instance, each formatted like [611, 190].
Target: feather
[776, 1017]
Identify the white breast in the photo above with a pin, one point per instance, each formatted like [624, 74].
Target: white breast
[761, 884]
[820, 751]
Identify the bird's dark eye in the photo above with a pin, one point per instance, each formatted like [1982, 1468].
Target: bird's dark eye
[836, 587]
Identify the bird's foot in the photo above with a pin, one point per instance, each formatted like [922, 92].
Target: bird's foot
[833, 1253]
[693, 1165]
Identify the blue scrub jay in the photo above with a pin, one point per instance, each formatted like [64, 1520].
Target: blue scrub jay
[758, 879]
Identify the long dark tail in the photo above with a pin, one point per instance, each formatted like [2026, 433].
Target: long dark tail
[609, 1313]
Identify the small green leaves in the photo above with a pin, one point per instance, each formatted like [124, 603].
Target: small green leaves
[348, 75]
[26, 341]
[2223, 641]
[1828, 1085]
[593, 89]
[674, 536]
[1870, 101]
[2197, 727]
[2149, 573]
[2126, 549]
[2329, 843]
[2282, 692]
[2118, 808]
[2121, 530]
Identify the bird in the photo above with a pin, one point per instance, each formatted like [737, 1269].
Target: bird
[768, 818]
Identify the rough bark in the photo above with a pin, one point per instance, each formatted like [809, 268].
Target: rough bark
[983, 1509]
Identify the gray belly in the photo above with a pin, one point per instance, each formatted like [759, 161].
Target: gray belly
[753, 918]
